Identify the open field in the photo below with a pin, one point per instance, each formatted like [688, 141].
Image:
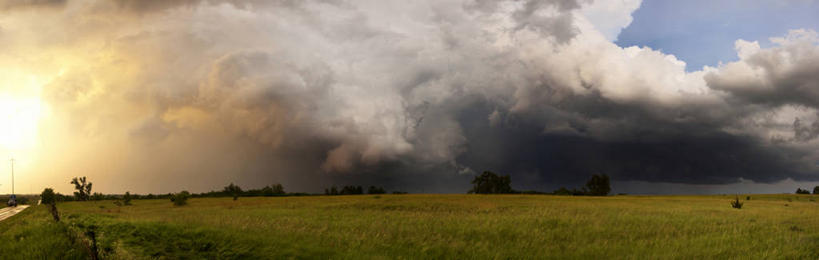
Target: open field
[429, 226]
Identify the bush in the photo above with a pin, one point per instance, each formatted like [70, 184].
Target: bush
[736, 203]
[801, 191]
[181, 198]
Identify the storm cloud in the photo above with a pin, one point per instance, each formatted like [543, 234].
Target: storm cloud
[412, 95]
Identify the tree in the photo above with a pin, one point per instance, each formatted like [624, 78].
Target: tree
[815, 190]
[331, 191]
[491, 183]
[233, 190]
[562, 191]
[97, 196]
[801, 191]
[50, 199]
[126, 200]
[83, 188]
[278, 189]
[267, 191]
[351, 190]
[375, 190]
[598, 185]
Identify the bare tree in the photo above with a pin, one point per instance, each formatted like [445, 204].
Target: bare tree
[83, 188]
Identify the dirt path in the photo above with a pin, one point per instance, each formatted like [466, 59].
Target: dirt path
[11, 211]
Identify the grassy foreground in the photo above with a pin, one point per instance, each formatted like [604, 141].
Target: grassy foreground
[427, 226]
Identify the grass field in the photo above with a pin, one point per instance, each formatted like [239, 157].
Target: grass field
[428, 226]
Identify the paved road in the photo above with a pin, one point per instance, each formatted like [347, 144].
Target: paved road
[11, 211]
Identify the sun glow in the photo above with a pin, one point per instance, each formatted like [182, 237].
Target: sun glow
[20, 111]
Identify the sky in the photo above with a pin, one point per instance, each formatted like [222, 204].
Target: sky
[157, 96]
[681, 28]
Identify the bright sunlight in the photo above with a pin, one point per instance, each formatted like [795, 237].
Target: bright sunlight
[20, 111]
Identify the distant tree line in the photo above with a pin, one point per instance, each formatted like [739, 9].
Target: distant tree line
[490, 183]
[486, 183]
[357, 190]
[804, 191]
[83, 192]
[83, 189]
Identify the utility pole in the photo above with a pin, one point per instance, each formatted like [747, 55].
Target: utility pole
[12, 176]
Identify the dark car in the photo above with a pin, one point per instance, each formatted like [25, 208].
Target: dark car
[13, 201]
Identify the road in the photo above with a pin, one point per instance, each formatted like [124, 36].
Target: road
[11, 211]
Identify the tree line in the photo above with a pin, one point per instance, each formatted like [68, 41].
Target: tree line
[486, 183]
[357, 190]
[804, 191]
[84, 187]
[491, 183]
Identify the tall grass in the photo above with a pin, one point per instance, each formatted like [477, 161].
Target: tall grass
[33, 234]
[455, 226]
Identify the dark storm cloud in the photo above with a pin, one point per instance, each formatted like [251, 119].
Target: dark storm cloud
[805, 131]
[647, 149]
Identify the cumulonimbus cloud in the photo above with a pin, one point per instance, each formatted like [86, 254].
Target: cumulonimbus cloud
[322, 91]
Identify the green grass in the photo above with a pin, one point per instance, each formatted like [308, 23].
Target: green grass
[439, 226]
[32, 234]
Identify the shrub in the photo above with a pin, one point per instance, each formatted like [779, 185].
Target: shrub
[815, 190]
[736, 203]
[181, 198]
[801, 191]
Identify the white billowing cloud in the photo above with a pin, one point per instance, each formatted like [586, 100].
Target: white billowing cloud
[781, 75]
[610, 16]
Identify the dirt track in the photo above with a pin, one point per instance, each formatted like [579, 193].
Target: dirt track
[11, 211]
